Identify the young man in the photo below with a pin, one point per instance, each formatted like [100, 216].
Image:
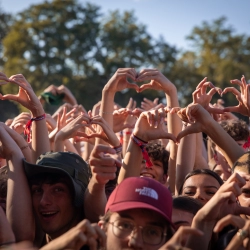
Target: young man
[138, 215]
[159, 158]
[58, 182]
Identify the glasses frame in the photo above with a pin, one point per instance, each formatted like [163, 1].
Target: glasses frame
[164, 234]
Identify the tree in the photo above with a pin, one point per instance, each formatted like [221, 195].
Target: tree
[52, 42]
[126, 43]
[5, 23]
[64, 42]
[218, 54]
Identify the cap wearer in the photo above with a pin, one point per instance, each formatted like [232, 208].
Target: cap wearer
[67, 163]
[141, 192]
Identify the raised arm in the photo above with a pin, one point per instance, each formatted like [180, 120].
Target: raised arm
[159, 82]
[118, 82]
[103, 168]
[19, 211]
[27, 98]
[149, 126]
[201, 121]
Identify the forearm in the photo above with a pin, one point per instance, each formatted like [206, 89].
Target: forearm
[40, 138]
[88, 147]
[94, 201]
[70, 146]
[232, 150]
[174, 127]
[200, 161]
[126, 137]
[131, 165]
[185, 158]
[106, 109]
[19, 211]
[201, 242]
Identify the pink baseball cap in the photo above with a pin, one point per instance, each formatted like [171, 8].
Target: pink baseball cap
[141, 192]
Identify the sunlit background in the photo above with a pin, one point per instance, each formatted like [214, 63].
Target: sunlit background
[218, 45]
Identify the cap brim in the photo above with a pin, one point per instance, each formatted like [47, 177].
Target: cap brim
[33, 169]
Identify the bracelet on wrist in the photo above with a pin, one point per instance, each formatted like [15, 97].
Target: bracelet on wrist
[27, 130]
[142, 144]
[128, 133]
[118, 149]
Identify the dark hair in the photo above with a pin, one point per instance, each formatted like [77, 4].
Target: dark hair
[186, 203]
[237, 129]
[3, 181]
[201, 171]
[49, 178]
[158, 153]
[243, 162]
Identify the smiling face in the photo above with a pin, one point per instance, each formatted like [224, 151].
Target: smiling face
[53, 207]
[155, 172]
[201, 187]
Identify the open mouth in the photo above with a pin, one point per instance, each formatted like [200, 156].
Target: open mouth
[48, 214]
[147, 175]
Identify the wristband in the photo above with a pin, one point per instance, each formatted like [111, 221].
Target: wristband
[128, 133]
[142, 144]
[118, 149]
[29, 123]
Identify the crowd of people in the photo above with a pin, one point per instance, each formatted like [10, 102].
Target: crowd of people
[148, 176]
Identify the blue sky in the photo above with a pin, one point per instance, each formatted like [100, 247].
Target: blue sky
[173, 20]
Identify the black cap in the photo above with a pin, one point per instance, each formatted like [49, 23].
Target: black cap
[67, 163]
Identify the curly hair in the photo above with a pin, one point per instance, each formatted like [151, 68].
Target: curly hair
[158, 153]
[237, 129]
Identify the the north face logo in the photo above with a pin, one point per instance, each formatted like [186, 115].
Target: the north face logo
[147, 192]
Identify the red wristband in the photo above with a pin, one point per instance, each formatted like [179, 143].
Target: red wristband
[27, 129]
[142, 144]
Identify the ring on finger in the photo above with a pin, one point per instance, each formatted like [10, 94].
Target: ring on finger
[242, 234]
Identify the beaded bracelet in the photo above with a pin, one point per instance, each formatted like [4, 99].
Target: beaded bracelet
[142, 144]
[29, 123]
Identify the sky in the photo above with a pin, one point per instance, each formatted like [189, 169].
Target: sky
[172, 19]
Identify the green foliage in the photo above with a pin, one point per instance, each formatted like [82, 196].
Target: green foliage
[65, 42]
[52, 43]
[218, 54]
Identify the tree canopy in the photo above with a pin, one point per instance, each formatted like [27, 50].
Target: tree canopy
[66, 42]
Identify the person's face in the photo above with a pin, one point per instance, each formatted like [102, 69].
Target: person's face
[54, 207]
[222, 168]
[201, 187]
[244, 198]
[140, 218]
[155, 172]
[181, 218]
